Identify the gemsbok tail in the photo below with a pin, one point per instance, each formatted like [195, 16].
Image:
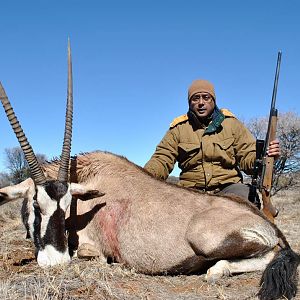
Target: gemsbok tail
[280, 276]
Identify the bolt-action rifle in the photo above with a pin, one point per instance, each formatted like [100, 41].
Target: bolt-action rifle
[263, 167]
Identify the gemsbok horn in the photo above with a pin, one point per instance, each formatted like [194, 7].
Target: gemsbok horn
[46, 201]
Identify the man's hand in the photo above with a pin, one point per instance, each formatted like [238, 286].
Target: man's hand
[274, 149]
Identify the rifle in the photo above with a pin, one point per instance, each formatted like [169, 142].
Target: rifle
[263, 166]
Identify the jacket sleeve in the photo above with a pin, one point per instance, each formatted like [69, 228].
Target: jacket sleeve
[245, 148]
[164, 158]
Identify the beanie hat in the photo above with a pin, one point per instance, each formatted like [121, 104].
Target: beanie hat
[200, 85]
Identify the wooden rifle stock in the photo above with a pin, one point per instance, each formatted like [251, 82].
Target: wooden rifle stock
[268, 165]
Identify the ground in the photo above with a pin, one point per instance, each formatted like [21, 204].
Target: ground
[21, 278]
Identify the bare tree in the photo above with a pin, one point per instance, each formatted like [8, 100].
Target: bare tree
[17, 165]
[288, 133]
[4, 179]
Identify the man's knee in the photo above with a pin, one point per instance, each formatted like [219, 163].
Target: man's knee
[242, 190]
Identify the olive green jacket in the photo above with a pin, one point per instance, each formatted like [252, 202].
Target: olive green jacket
[207, 159]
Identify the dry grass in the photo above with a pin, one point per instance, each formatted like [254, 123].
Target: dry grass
[21, 278]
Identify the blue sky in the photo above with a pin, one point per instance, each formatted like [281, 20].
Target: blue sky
[133, 62]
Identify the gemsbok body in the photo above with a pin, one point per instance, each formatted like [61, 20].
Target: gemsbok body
[149, 225]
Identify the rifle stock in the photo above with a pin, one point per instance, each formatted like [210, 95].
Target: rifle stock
[268, 209]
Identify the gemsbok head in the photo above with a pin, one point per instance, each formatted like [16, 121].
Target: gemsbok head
[46, 201]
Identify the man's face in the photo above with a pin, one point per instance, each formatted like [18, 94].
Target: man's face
[202, 104]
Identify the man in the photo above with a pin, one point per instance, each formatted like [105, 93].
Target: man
[211, 147]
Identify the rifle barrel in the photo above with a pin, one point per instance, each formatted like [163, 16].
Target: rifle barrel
[273, 111]
[276, 80]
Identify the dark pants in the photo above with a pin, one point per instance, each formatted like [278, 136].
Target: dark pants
[242, 190]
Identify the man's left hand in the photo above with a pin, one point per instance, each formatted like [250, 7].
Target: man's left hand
[274, 149]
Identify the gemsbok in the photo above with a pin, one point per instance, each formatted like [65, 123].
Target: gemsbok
[147, 224]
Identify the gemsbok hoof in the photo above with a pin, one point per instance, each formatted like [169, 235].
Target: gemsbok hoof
[219, 270]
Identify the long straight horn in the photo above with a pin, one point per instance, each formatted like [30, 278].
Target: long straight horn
[36, 171]
[65, 156]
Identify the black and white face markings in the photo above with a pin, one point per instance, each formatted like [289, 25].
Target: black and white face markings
[46, 222]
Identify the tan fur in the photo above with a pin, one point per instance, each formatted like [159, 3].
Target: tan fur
[157, 227]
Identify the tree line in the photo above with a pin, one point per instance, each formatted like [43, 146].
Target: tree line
[17, 166]
[286, 169]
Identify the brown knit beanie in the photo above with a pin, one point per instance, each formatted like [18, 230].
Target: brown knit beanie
[200, 85]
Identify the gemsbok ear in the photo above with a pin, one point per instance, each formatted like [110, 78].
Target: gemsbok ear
[84, 193]
[25, 189]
